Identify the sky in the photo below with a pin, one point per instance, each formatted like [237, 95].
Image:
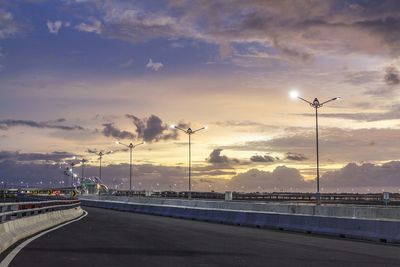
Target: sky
[78, 75]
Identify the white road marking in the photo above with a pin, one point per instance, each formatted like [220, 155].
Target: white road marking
[7, 260]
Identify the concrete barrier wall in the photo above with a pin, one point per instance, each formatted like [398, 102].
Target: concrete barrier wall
[342, 211]
[367, 229]
[14, 230]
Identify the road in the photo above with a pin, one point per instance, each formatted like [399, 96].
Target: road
[113, 238]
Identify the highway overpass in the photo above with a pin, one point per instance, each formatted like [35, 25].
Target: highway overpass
[114, 238]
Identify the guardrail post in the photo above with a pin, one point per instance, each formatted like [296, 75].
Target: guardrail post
[228, 196]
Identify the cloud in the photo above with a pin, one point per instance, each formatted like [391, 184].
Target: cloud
[34, 167]
[152, 129]
[94, 26]
[281, 178]
[55, 156]
[92, 151]
[265, 158]
[361, 77]
[393, 113]
[54, 27]
[6, 124]
[392, 76]
[361, 145]
[364, 175]
[154, 65]
[243, 125]
[295, 156]
[127, 64]
[110, 131]
[296, 30]
[215, 157]
[7, 24]
[134, 24]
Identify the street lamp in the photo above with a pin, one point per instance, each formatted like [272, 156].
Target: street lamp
[83, 161]
[101, 154]
[316, 105]
[131, 146]
[189, 132]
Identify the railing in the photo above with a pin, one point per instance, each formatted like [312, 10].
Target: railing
[328, 198]
[11, 211]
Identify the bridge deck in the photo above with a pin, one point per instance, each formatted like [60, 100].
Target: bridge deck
[112, 238]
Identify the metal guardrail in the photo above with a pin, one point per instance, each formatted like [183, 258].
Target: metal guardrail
[11, 211]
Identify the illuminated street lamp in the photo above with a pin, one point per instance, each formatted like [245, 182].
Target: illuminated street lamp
[100, 154]
[316, 105]
[131, 146]
[189, 132]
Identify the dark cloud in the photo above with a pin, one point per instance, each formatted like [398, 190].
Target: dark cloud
[158, 177]
[17, 156]
[110, 131]
[281, 178]
[105, 152]
[295, 156]
[216, 158]
[332, 141]
[140, 125]
[392, 76]
[364, 175]
[92, 151]
[152, 129]
[6, 124]
[265, 158]
[296, 30]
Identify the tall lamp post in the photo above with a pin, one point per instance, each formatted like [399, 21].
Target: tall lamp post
[189, 132]
[316, 105]
[101, 154]
[83, 161]
[131, 146]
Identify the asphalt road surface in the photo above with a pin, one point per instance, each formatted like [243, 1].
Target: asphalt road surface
[113, 238]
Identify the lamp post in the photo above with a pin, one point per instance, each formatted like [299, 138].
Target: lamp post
[101, 154]
[189, 132]
[316, 105]
[72, 164]
[131, 146]
[83, 161]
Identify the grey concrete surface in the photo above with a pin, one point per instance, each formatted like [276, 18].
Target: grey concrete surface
[114, 238]
[329, 210]
[17, 229]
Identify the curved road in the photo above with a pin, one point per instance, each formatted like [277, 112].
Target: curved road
[113, 238]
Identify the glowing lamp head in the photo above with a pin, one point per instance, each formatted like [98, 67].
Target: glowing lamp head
[117, 142]
[206, 127]
[294, 94]
[172, 126]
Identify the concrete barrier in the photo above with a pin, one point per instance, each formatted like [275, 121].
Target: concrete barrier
[14, 230]
[334, 210]
[386, 230]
